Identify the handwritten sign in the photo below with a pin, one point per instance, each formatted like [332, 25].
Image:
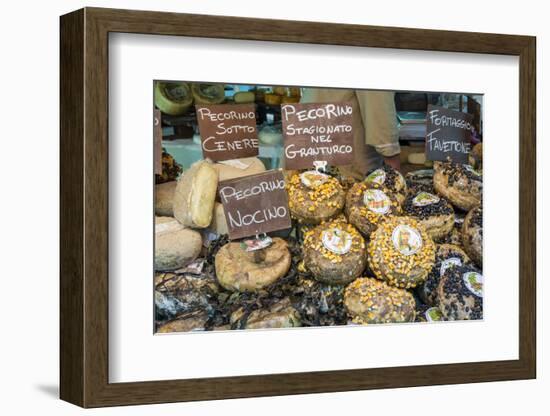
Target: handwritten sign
[157, 135]
[448, 134]
[317, 132]
[255, 204]
[228, 131]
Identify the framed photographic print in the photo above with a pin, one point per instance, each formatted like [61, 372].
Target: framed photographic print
[256, 207]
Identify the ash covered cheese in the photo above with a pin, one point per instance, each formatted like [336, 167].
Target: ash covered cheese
[472, 235]
[447, 256]
[460, 184]
[460, 293]
[433, 212]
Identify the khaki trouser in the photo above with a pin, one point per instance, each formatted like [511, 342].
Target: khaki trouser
[374, 123]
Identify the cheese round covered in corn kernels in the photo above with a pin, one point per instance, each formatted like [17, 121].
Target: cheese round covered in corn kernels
[401, 252]
[371, 301]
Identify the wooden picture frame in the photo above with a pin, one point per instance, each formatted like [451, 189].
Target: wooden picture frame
[84, 207]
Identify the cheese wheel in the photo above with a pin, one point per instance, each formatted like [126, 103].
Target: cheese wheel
[416, 158]
[218, 224]
[460, 184]
[249, 271]
[334, 252]
[164, 198]
[279, 315]
[472, 235]
[272, 99]
[401, 253]
[175, 245]
[173, 98]
[370, 301]
[208, 93]
[244, 97]
[460, 293]
[195, 195]
[237, 168]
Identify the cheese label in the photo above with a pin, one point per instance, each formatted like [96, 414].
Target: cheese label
[256, 243]
[378, 176]
[451, 261]
[377, 201]
[313, 178]
[423, 199]
[433, 315]
[337, 240]
[474, 283]
[406, 239]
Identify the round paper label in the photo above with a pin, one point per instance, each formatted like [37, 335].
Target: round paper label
[337, 240]
[313, 178]
[433, 315]
[378, 176]
[406, 239]
[377, 201]
[474, 283]
[451, 261]
[425, 198]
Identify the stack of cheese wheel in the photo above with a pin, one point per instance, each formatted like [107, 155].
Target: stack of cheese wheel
[460, 184]
[368, 204]
[334, 252]
[371, 301]
[401, 252]
[314, 197]
[433, 212]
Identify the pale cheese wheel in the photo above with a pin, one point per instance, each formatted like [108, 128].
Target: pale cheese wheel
[164, 198]
[175, 245]
[195, 195]
[218, 224]
[237, 168]
[244, 97]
